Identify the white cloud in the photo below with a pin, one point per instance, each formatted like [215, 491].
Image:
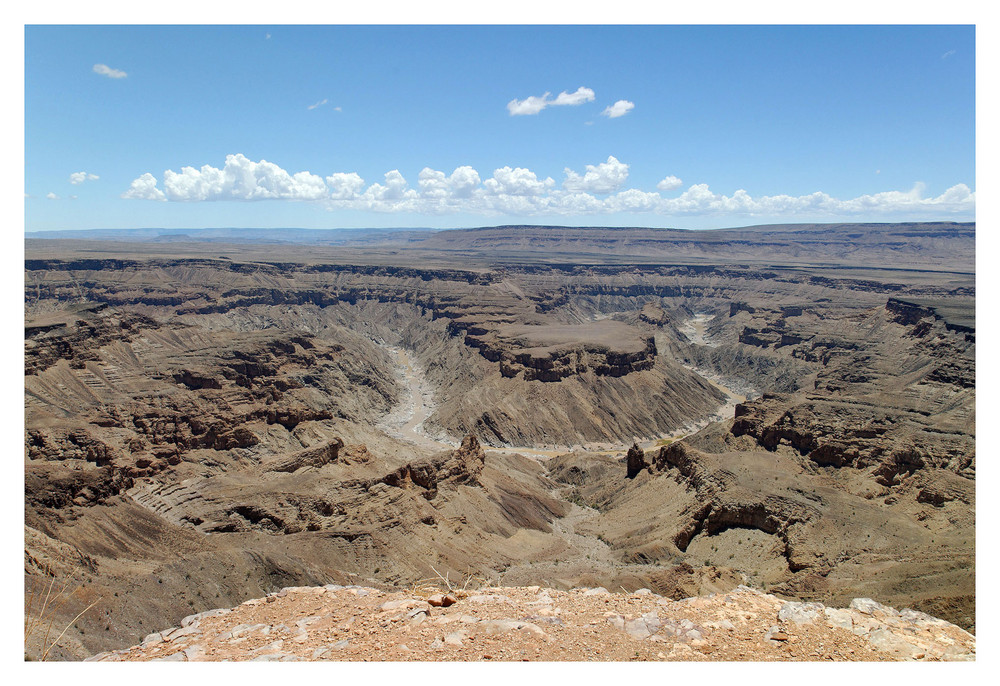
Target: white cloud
[606, 177]
[76, 178]
[669, 183]
[536, 103]
[394, 196]
[530, 105]
[578, 97]
[516, 182]
[959, 194]
[634, 200]
[519, 191]
[435, 185]
[396, 187]
[144, 188]
[51, 196]
[321, 102]
[947, 54]
[105, 70]
[577, 203]
[242, 179]
[463, 182]
[698, 199]
[345, 186]
[619, 109]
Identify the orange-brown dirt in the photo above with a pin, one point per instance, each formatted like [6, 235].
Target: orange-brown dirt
[540, 624]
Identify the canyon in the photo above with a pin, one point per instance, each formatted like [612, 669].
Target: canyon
[207, 422]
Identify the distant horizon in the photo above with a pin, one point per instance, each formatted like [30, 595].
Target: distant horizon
[178, 230]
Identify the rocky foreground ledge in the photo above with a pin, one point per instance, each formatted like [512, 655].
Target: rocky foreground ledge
[533, 623]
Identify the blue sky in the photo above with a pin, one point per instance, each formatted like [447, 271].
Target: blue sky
[339, 126]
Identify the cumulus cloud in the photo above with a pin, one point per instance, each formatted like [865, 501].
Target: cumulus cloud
[51, 196]
[536, 103]
[669, 183]
[105, 70]
[530, 105]
[345, 186]
[699, 199]
[435, 185]
[516, 182]
[601, 189]
[76, 178]
[577, 97]
[619, 109]
[144, 188]
[606, 177]
[242, 179]
[321, 102]
[395, 195]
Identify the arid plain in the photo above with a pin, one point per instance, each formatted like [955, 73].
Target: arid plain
[212, 417]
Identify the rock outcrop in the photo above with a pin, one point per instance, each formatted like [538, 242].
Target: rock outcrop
[75, 333]
[341, 623]
[635, 461]
[798, 532]
[310, 457]
[461, 467]
[885, 405]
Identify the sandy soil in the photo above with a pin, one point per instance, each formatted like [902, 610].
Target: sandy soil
[696, 329]
[406, 421]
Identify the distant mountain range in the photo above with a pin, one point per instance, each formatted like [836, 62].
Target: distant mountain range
[233, 235]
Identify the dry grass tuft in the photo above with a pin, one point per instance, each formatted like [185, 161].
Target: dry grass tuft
[470, 583]
[40, 612]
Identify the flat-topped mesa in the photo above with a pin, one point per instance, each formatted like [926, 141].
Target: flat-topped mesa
[560, 364]
[555, 352]
[653, 314]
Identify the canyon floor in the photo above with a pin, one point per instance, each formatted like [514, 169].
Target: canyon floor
[690, 413]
